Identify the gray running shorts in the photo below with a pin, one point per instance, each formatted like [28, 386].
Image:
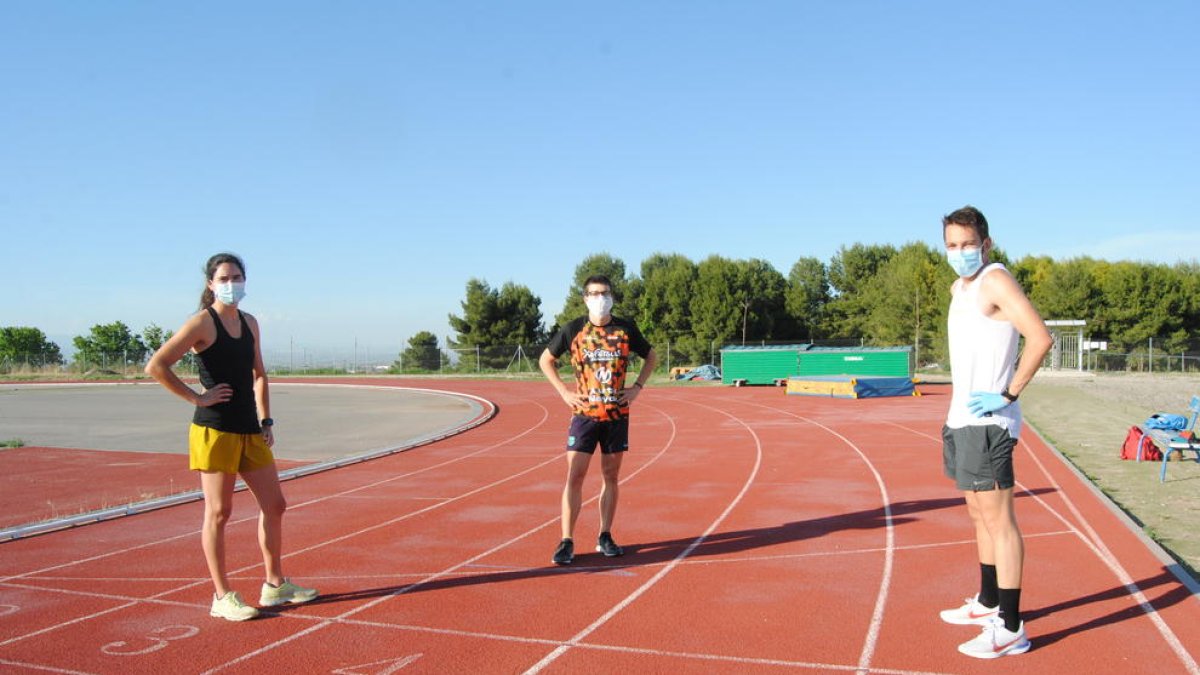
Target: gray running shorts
[978, 458]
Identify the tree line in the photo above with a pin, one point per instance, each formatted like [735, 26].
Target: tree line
[103, 345]
[879, 294]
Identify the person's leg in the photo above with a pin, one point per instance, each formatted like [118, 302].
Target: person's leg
[965, 462]
[999, 518]
[572, 498]
[264, 484]
[610, 465]
[986, 550]
[218, 504]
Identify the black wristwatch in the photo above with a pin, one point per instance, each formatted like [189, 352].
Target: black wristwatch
[268, 422]
[1012, 398]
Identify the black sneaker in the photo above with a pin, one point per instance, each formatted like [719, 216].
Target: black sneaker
[607, 546]
[565, 553]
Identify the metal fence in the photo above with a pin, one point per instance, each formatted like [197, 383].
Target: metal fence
[117, 364]
[1072, 351]
[477, 360]
[1141, 361]
[1067, 355]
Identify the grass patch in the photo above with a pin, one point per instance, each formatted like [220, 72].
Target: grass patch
[1086, 419]
[12, 443]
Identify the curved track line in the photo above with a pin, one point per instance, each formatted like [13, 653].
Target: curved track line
[489, 411]
[1095, 542]
[562, 649]
[392, 521]
[298, 614]
[1110, 560]
[310, 502]
[889, 557]
[193, 584]
[449, 571]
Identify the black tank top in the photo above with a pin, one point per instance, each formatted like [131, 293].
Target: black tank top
[231, 362]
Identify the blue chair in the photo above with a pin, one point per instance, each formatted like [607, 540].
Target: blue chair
[1178, 443]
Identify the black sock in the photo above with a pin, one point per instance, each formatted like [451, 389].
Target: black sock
[1010, 608]
[989, 595]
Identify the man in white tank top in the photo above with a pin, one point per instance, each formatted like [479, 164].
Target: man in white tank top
[988, 314]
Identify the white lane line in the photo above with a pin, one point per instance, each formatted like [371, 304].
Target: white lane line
[38, 666]
[469, 571]
[1094, 542]
[870, 642]
[488, 408]
[297, 614]
[300, 505]
[1125, 578]
[616, 609]
[62, 624]
[450, 570]
[545, 416]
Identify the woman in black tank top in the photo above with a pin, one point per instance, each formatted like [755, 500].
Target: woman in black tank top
[232, 430]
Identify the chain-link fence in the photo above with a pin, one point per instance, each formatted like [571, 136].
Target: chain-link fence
[1141, 361]
[1087, 356]
[1073, 351]
[116, 364]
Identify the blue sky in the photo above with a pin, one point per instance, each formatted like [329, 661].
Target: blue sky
[368, 158]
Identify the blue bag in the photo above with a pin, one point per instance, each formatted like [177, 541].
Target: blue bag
[1167, 421]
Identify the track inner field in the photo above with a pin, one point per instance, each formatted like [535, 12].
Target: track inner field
[763, 533]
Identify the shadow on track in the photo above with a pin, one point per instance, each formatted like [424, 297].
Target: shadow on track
[658, 553]
[1177, 593]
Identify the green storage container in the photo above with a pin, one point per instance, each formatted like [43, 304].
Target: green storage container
[754, 364]
[875, 361]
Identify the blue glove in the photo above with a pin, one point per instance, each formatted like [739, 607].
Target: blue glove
[984, 403]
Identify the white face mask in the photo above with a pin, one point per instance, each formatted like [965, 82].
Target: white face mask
[965, 261]
[598, 306]
[230, 292]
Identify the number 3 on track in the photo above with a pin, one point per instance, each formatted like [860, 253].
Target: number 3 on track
[157, 638]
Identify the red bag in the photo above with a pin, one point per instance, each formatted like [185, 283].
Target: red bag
[1135, 437]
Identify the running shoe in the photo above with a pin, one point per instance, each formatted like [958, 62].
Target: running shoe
[565, 553]
[231, 608]
[971, 613]
[285, 593]
[996, 641]
[607, 546]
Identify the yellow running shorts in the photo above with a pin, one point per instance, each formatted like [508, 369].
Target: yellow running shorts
[212, 450]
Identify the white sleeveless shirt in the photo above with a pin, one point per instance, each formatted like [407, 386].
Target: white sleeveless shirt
[983, 356]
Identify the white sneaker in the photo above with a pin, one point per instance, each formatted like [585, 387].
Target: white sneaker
[231, 608]
[971, 613]
[996, 641]
[284, 593]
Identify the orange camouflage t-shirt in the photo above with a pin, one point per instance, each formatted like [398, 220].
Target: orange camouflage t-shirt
[600, 357]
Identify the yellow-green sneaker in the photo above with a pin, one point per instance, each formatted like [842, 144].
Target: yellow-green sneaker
[231, 608]
[284, 593]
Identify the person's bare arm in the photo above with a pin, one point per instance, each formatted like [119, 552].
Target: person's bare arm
[262, 392]
[549, 365]
[194, 334]
[1003, 291]
[632, 391]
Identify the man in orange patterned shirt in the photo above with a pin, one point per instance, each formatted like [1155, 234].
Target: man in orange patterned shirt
[600, 345]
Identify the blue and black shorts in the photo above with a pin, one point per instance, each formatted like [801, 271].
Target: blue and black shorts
[586, 433]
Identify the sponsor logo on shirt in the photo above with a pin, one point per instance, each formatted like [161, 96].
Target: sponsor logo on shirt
[600, 355]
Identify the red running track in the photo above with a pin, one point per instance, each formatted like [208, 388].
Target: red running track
[765, 533]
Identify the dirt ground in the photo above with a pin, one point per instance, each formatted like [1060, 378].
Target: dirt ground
[1087, 417]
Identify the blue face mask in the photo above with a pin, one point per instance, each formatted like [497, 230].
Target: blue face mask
[230, 292]
[965, 261]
